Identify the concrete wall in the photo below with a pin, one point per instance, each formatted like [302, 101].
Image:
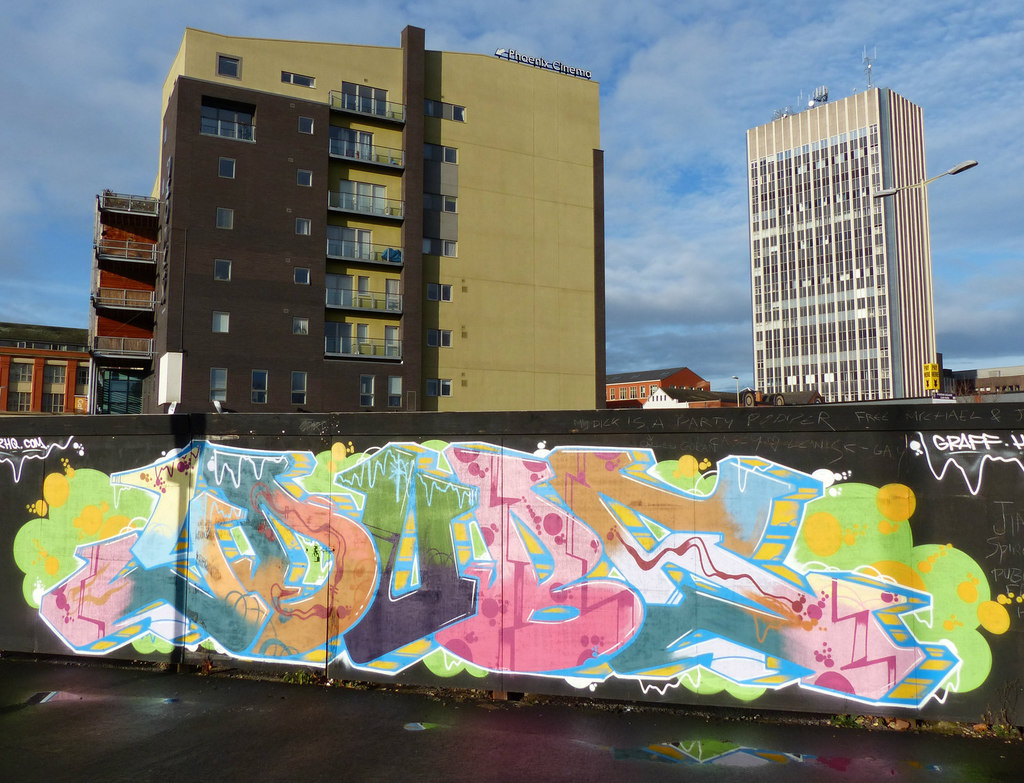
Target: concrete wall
[822, 559]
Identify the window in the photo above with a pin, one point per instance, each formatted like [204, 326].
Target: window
[298, 388]
[218, 384]
[259, 386]
[439, 338]
[349, 143]
[304, 178]
[440, 153]
[439, 387]
[357, 243]
[82, 379]
[225, 218]
[19, 401]
[363, 98]
[220, 322]
[439, 292]
[438, 203]
[54, 374]
[394, 391]
[446, 111]
[305, 124]
[440, 247]
[227, 118]
[611, 393]
[21, 372]
[338, 338]
[53, 402]
[226, 168]
[300, 325]
[366, 391]
[287, 77]
[301, 275]
[229, 66]
[221, 269]
[303, 226]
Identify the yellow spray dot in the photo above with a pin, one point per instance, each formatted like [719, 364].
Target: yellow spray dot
[993, 617]
[896, 502]
[924, 566]
[90, 520]
[56, 490]
[967, 591]
[822, 534]
[52, 565]
[687, 468]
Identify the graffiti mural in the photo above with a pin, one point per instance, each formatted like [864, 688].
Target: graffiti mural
[585, 564]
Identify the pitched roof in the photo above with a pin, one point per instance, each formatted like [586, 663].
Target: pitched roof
[643, 375]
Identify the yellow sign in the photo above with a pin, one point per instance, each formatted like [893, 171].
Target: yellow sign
[931, 377]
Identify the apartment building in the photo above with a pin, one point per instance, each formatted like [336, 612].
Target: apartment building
[841, 281]
[346, 227]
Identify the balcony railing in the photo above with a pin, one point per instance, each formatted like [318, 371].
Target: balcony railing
[122, 346]
[366, 205]
[368, 107]
[123, 298]
[366, 348]
[126, 250]
[350, 250]
[368, 153]
[363, 300]
[121, 202]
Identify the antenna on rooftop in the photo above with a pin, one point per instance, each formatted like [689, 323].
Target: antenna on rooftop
[868, 61]
[818, 97]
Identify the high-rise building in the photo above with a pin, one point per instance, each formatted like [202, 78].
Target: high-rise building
[841, 281]
[349, 227]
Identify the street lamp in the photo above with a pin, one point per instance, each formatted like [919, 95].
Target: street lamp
[737, 379]
[959, 167]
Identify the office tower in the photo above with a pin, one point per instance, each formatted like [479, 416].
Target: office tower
[349, 227]
[841, 281]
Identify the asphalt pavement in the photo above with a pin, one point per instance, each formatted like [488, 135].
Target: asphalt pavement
[72, 721]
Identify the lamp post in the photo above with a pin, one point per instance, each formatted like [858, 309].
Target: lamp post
[957, 169]
[931, 369]
[737, 379]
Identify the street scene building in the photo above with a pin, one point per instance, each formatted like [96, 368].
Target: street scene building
[841, 282]
[349, 227]
[43, 369]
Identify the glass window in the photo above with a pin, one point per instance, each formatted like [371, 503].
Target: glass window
[19, 401]
[259, 386]
[298, 388]
[304, 178]
[364, 98]
[21, 372]
[440, 247]
[439, 387]
[300, 325]
[394, 391]
[54, 374]
[220, 322]
[366, 391]
[447, 111]
[82, 379]
[218, 384]
[229, 66]
[225, 218]
[221, 269]
[53, 402]
[439, 292]
[226, 168]
[227, 118]
[438, 203]
[305, 124]
[303, 226]
[439, 338]
[301, 275]
[440, 153]
[287, 77]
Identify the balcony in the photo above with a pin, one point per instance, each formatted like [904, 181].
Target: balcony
[374, 206]
[126, 250]
[367, 107]
[365, 252]
[123, 346]
[121, 202]
[365, 348]
[123, 299]
[347, 299]
[367, 153]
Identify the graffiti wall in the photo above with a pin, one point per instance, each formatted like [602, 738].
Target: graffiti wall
[822, 559]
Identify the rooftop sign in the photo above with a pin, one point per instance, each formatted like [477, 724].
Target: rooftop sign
[540, 62]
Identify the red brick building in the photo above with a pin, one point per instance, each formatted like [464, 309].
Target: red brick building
[631, 389]
[43, 369]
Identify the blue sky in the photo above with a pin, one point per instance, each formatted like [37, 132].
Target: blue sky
[680, 84]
